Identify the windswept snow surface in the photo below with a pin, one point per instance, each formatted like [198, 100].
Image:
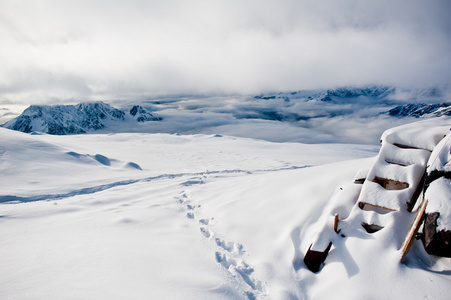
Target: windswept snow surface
[163, 216]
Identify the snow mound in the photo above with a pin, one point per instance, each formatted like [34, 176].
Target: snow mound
[102, 159]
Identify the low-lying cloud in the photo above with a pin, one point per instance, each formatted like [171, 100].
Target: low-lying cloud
[285, 119]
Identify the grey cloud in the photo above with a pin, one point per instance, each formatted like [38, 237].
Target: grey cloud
[137, 48]
[37, 86]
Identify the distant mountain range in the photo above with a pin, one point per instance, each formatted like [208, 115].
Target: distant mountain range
[421, 109]
[193, 114]
[371, 96]
[332, 94]
[73, 119]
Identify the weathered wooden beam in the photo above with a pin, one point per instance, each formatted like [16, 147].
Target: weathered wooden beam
[408, 241]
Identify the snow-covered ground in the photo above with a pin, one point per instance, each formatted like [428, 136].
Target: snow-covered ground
[164, 216]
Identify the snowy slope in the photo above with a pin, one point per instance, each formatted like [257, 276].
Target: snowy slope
[165, 216]
[121, 231]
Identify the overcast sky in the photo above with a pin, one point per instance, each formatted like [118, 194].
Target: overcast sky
[95, 49]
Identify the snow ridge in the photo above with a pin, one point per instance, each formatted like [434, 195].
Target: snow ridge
[74, 119]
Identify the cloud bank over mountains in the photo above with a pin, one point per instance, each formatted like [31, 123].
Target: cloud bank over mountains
[56, 51]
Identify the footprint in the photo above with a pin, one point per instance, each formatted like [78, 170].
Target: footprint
[204, 221]
[244, 271]
[234, 248]
[206, 232]
[190, 215]
[225, 261]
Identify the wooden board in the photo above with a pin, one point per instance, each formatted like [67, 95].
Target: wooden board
[408, 241]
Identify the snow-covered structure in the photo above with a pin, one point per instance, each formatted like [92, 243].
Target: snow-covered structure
[436, 232]
[392, 189]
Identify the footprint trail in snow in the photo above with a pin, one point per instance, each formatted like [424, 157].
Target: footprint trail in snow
[229, 255]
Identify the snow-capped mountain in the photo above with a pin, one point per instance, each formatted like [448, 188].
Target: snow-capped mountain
[348, 114]
[100, 110]
[420, 109]
[328, 95]
[142, 115]
[73, 119]
[350, 101]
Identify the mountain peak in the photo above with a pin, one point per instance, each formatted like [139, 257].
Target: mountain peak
[72, 119]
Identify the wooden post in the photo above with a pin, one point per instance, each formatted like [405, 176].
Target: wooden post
[315, 259]
[336, 224]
